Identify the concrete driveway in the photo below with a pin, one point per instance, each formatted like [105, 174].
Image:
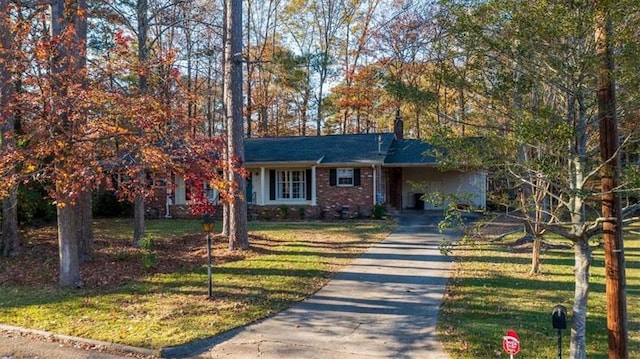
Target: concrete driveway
[384, 305]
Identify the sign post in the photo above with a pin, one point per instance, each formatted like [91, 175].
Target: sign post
[511, 343]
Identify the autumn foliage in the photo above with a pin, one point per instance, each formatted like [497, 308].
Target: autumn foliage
[81, 125]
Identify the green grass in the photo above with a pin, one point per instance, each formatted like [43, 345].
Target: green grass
[492, 292]
[169, 309]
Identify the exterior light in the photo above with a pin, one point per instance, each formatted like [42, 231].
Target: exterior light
[207, 225]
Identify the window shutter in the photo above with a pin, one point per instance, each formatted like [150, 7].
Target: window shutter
[356, 177]
[308, 182]
[272, 185]
[332, 177]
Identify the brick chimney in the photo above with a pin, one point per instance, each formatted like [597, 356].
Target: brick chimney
[398, 126]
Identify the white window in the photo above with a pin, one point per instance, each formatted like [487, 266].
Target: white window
[344, 177]
[291, 185]
[180, 192]
[212, 194]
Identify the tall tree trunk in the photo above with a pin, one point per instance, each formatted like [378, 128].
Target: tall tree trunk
[576, 111]
[9, 242]
[84, 226]
[539, 195]
[614, 260]
[319, 108]
[67, 71]
[305, 101]
[68, 246]
[142, 7]
[84, 204]
[226, 121]
[250, 68]
[463, 105]
[238, 236]
[264, 117]
[537, 240]
[582, 254]
[209, 97]
[138, 220]
[226, 207]
[345, 120]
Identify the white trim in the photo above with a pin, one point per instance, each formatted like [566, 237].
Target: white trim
[402, 165]
[287, 164]
[353, 175]
[314, 194]
[291, 185]
[291, 202]
[262, 182]
[280, 164]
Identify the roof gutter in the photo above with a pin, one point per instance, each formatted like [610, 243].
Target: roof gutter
[280, 163]
[410, 165]
[350, 164]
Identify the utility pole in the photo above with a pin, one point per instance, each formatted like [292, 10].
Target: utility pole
[611, 206]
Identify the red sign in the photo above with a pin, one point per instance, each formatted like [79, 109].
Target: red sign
[511, 343]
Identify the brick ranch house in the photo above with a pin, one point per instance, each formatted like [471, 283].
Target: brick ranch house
[339, 175]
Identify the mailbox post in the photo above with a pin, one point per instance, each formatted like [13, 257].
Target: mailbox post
[559, 321]
[207, 227]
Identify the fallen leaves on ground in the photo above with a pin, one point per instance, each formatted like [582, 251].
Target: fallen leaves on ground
[116, 261]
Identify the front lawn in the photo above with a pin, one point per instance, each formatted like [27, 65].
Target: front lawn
[491, 292]
[124, 302]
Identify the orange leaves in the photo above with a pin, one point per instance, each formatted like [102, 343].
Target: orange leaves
[8, 175]
[156, 157]
[361, 92]
[42, 50]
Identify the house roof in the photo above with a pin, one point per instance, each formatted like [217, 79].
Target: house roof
[410, 152]
[358, 148]
[371, 148]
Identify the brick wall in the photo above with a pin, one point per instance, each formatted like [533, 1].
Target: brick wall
[282, 213]
[358, 199]
[155, 204]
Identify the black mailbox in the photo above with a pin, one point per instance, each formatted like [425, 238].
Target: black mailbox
[559, 317]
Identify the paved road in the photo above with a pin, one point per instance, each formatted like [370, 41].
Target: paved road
[384, 305]
[26, 346]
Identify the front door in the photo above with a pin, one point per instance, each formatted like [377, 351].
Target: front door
[394, 187]
[249, 192]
